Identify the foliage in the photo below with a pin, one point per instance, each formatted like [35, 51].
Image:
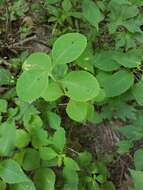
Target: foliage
[92, 74]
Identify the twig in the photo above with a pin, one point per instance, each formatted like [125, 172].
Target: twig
[22, 42]
[72, 150]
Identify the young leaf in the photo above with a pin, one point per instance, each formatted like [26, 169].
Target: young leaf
[80, 86]
[38, 61]
[31, 85]
[77, 110]
[44, 179]
[52, 92]
[22, 138]
[11, 172]
[54, 120]
[68, 48]
[117, 83]
[59, 139]
[92, 13]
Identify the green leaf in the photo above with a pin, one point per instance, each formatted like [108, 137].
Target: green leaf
[71, 164]
[44, 179]
[59, 71]
[71, 178]
[117, 83]
[68, 48]
[47, 153]
[85, 60]
[77, 110]
[5, 77]
[101, 96]
[124, 146]
[59, 139]
[3, 105]
[86, 82]
[11, 172]
[23, 186]
[52, 92]
[130, 59]
[84, 158]
[138, 159]
[22, 138]
[54, 120]
[104, 60]
[66, 4]
[137, 178]
[137, 2]
[38, 61]
[137, 91]
[52, 1]
[92, 13]
[31, 160]
[7, 138]
[39, 137]
[31, 85]
[109, 186]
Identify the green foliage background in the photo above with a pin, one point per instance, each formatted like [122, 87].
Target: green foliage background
[90, 75]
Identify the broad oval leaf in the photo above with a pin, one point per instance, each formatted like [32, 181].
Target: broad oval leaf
[31, 85]
[103, 60]
[44, 179]
[11, 172]
[130, 59]
[80, 86]
[77, 110]
[117, 83]
[38, 61]
[68, 48]
[137, 92]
